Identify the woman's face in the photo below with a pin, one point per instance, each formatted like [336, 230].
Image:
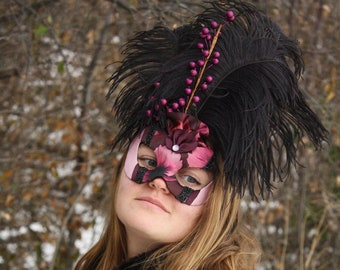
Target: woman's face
[151, 214]
[167, 178]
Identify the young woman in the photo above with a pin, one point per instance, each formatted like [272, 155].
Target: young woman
[207, 111]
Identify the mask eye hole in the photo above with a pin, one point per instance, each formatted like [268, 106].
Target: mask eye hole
[150, 164]
[187, 180]
[193, 178]
[146, 157]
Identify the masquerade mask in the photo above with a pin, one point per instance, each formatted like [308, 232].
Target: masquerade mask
[180, 157]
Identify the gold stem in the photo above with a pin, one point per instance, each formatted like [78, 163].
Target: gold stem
[213, 44]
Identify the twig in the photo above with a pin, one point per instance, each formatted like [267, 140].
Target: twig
[123, 5]
[316, 239]
[302, 219]
[286, 233]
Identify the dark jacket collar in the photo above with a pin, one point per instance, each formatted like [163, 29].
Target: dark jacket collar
[136, 263]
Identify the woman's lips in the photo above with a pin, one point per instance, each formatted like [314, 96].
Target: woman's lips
[154, 202]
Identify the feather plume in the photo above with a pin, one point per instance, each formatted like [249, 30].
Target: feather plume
[255, 111]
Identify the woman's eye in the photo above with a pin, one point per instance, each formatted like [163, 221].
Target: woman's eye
[193, 178]
[190, 179]
[148, 163]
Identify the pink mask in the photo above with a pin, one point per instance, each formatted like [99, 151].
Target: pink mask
[182, 147]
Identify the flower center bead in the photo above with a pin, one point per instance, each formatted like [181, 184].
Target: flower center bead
[175, 147]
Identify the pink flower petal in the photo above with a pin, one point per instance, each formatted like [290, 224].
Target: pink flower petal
[171, 161]
[199, 157]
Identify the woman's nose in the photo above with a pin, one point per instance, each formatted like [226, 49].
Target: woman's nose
[159, 183]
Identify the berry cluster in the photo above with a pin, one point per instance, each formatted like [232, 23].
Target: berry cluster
[194, 82]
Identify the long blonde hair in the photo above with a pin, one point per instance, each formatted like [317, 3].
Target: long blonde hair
[219, 240]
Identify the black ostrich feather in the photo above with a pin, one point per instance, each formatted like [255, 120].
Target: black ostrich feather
[255, 111]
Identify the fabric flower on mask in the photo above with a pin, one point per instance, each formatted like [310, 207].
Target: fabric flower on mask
[199, 157]
[181, 141]
[184, 130]
[168, 160]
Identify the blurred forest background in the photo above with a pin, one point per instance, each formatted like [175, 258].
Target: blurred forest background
[56, 127]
